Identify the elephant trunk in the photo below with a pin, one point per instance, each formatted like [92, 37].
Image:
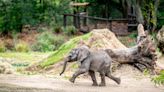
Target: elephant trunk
[64, 67]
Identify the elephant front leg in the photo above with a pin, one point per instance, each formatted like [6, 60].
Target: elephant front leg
[92, 74]
[76, 74]
[102, 75]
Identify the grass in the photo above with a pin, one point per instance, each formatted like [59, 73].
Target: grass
[23, 59]
[129, 40]
[24, 56]
[59, 54]
[159, 79]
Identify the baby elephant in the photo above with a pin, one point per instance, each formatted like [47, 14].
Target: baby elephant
[98, 61]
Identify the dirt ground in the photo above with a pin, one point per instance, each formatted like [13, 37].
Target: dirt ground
[131, 81]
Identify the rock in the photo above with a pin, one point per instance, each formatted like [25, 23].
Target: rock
[6, 68]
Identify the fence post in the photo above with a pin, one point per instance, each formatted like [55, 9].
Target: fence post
[65, 20]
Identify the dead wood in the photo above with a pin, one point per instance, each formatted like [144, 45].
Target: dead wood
[142, 56]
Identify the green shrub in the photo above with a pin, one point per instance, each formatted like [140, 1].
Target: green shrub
[40, 30]
[128, 41]
[55, 27]
[2, 47]
[58, 41]
[133, 35]
[22, 47]
[36, 12]
[47, 41]
[159, 79]
[69, 30]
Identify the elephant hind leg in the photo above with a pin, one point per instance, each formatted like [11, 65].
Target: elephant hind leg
[117, 80]
[92, 74]
[103, 83]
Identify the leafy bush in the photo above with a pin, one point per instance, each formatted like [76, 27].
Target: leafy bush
[2, 47]
[56, 27]
[69, 30]
[159, 79]
[47, 41]
[16, 13]
[160, 15]
[22, 47]
[133, 35]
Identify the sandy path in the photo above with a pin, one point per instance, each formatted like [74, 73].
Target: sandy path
[38, 83]
[131, 81]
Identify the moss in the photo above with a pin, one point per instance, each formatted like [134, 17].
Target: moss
[59, 54]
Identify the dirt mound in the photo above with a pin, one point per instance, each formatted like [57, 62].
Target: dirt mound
[103, 39]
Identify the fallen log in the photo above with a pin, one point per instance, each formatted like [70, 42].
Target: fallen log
[142, 56]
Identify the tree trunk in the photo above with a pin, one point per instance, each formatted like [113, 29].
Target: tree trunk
[154, 14]
[138, 11]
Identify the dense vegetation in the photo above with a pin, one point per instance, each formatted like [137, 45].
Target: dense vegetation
[15, 14]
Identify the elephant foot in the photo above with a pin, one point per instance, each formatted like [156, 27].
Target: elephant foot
[94, 84]
[72, 80]
[102, 84]
[118, 80]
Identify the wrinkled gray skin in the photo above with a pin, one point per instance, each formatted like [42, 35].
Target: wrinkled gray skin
[91, 62]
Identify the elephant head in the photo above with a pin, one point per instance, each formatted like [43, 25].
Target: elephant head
[83, 53]
[77, 54]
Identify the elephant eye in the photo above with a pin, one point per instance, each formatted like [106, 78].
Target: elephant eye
[69, 55]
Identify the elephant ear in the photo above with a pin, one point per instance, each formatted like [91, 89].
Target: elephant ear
[83, 54]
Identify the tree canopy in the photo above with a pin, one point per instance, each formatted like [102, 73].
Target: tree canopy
[14, 14]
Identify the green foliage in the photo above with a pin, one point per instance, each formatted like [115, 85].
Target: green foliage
[22, 47]
[146, 72]
[56, 28]
[23, 64]
[69, 30]
[129, 41]
[63, 50]
[116, 13]
[133, 35]
[80, 1]
[47, 41]
[160, 15]
[16, 13]
[25, 57]
[159, 79]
